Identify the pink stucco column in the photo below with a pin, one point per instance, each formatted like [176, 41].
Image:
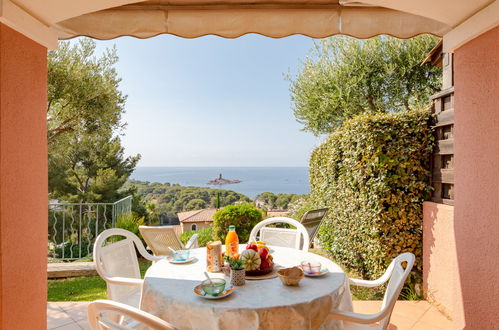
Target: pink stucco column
[476, 211]
[439, 256]
[23, 182]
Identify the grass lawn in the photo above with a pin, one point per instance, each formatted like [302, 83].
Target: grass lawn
[83, 288]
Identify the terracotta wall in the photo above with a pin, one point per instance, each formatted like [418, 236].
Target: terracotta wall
[439, 256]
[476, 212]
[23, 182]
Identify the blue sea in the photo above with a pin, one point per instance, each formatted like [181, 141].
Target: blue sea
[255, 180]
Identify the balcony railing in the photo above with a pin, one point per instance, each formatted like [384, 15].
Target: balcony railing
[73, 227]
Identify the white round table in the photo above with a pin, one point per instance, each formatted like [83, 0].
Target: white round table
[259, 304]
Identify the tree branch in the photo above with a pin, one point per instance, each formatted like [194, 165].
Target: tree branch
[53, 134]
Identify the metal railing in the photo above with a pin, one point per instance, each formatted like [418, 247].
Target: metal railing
[73, 227]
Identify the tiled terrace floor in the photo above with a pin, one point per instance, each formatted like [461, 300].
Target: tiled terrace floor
[416, 315]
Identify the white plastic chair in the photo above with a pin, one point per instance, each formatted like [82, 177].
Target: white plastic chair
[159, 238]
[281, 236]
[117, 264]
[110, 315]
[396, 275]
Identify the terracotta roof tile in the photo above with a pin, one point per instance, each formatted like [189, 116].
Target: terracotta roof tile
[197, 215]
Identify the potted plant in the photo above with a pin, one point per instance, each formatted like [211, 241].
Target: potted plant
[237, 272]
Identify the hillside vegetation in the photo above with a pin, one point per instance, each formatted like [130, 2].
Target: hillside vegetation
[173, 198]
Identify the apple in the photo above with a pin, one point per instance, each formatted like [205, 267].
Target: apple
[252, 247]
[263, 253]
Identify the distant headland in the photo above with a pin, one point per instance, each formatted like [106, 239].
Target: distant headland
[221, 180]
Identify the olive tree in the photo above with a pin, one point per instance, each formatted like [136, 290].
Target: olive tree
[344, 76]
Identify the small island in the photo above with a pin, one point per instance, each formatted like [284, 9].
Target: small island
[221, 180]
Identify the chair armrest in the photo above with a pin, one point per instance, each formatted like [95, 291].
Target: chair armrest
[143, 252]
[365, 283]
[192, 243]
[355, 317]
[125, 281]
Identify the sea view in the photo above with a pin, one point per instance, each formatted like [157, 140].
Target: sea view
[254, 180]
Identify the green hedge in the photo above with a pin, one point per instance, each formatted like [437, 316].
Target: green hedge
[243, 216]
[373, 174]
[205, 235]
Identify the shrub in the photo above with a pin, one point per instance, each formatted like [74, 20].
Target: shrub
[131, 222]
[300, 207]
[205, 235]
[373, 175]
[72, 250]
[243, 216]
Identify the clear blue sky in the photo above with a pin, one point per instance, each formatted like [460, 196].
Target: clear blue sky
[212, 101]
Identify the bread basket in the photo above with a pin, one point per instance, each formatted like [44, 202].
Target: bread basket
[290, 276]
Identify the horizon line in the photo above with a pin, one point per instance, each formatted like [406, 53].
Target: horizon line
[224, 166]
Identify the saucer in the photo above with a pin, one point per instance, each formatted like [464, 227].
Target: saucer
[200, 292]
[171, 260]
[322, 272]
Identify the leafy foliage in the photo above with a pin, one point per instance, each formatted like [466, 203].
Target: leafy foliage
[236, 264]
[299, 207]
[72, 249]
[205, 236]
[243, 216]
[279, 201]
[83, 95]
[195, 204]
[130, 222]
[152, 213]
[172, 199]
[373, 175]
[85, 106]
[88, 168]
[345, 76]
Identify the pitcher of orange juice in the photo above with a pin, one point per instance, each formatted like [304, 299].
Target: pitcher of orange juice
[231, 242]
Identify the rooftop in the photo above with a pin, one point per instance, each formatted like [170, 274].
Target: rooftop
[197, 215]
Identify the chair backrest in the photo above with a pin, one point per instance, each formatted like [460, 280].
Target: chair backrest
[281, 236]
[312, 220]
[110, 315]
[117, 259]
[397, 275]
[159, 238]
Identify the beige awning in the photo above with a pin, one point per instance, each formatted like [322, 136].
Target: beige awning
[233, 18]
[46, 21]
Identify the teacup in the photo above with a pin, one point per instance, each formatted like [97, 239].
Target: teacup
[213, 288]
[181, 255]
[311, 267]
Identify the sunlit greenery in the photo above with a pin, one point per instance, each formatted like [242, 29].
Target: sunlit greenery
[373, 175]
[344, 76]
[279, 201]
[244, 217]
[205, 235]
[84, 122]
[171, 199]
[83, 288]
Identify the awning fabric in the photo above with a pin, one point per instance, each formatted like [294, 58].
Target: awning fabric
[233, 18]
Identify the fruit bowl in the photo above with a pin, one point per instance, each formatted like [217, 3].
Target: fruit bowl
[257, 260]
[258, 272]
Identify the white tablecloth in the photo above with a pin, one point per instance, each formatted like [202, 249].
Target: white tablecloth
[259, 304]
